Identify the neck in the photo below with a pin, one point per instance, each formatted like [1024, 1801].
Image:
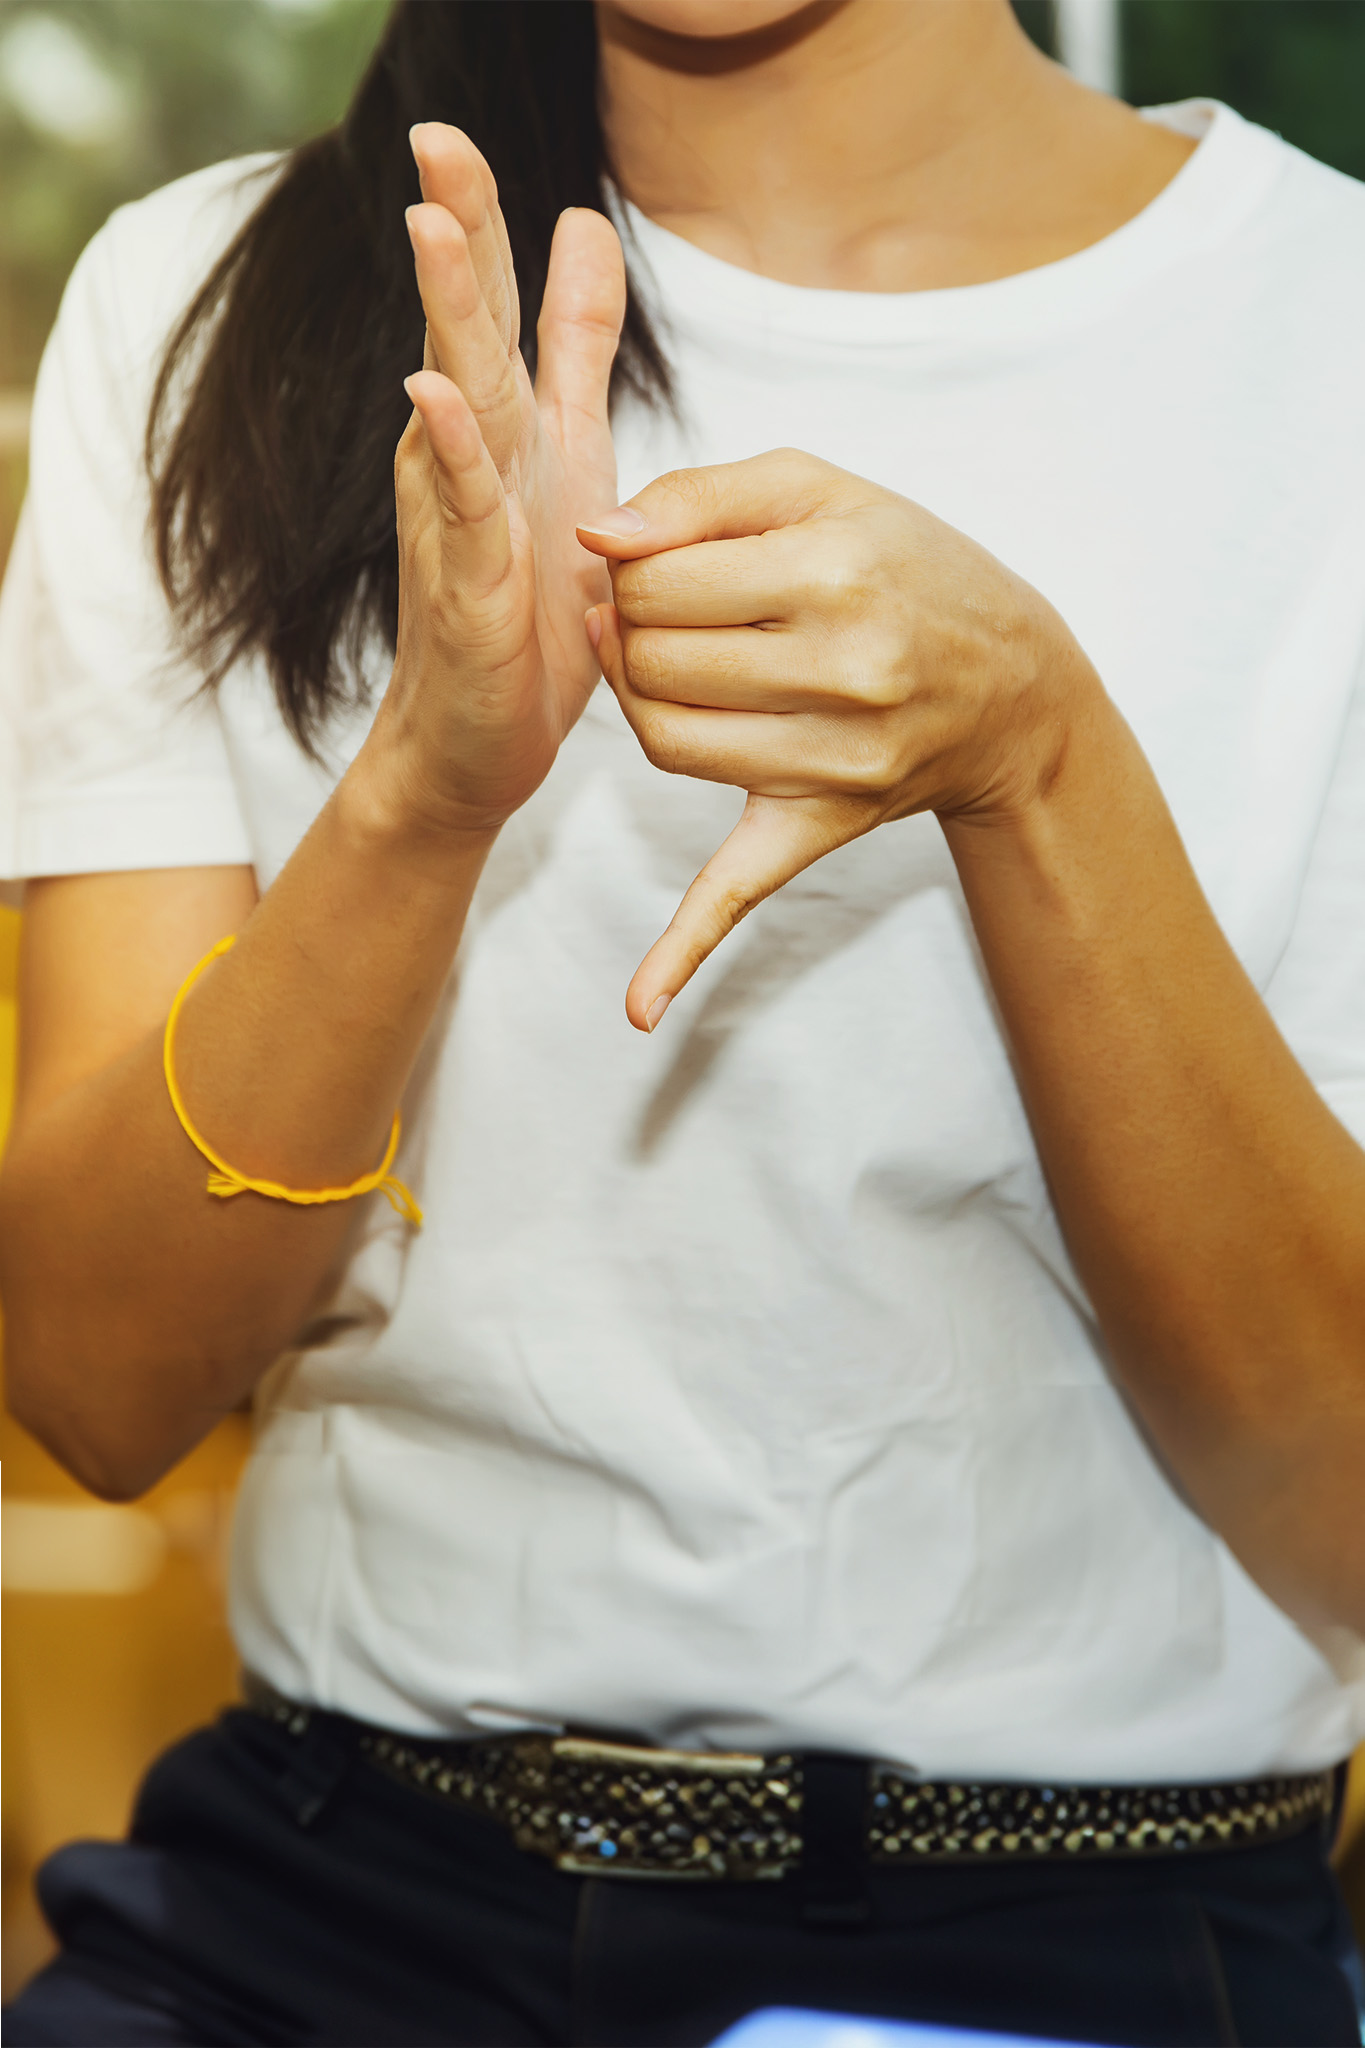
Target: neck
[873, 145]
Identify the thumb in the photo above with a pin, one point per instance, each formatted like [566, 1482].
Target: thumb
[580, 318]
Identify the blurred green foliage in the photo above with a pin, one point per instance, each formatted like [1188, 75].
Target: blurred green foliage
[1298, 66]
[1036, 17]
[103, 100]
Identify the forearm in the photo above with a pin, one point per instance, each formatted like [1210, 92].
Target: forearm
[1214, 1206]
[138, 1304]
[139, 1307]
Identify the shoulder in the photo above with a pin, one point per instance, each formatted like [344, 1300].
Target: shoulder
[122, 302]
[1326, 206]
[1281, 281]
[1310, 227]
[172, 238]
[140, 272]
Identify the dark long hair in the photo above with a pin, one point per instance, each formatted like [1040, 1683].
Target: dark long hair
[280, 402]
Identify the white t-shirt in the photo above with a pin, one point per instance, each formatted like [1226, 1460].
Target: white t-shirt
[739, 1390]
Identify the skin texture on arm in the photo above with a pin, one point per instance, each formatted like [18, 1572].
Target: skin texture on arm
[138, 1306]
[848, 659]
[1213, 1204]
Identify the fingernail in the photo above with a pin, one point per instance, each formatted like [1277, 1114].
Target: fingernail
[592, 619]
[622, 524]
[656, 1010]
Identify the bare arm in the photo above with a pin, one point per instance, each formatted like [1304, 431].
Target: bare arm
[1214, 1205]
[138, 1306]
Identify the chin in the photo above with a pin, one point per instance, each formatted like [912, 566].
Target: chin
[707, 20]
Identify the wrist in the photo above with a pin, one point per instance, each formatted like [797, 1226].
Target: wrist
[1089, 802]
[1044, 739]
[382, 804]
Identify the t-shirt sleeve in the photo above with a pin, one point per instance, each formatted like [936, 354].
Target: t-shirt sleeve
[111, 754]
[1317, 993]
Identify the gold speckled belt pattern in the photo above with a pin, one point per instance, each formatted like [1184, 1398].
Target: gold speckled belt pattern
[611, 1809]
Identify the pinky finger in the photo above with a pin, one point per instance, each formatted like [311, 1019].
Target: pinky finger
[476, 539]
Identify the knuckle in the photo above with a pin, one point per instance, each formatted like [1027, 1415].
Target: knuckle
[791, 462]
[632, 588]
[845, 580]
[806, 480]
[878, 690]
[491, 387]
[736, 900]
[732, 665]
[690, 488]
[877, 678]
[867, 768]
[659, 741]
[645, 591]
[648, 669]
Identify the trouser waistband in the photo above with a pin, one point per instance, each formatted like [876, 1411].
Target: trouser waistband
[613, 1809]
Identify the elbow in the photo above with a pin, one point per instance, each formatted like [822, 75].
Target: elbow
[1287, 1503]
[92, 1454]
[117, 1405]
[66, 1381]
[69, 1393]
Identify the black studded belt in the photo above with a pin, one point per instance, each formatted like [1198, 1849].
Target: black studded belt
[611, 1809]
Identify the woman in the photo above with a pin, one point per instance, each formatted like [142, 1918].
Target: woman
[884, 1445]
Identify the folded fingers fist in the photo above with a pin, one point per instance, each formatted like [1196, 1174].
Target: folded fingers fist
[790, 819]
[830, 648]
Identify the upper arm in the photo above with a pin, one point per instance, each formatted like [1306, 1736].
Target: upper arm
[101, 957]
[116, 786]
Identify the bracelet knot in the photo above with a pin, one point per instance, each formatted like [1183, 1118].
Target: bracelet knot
[225, 1181]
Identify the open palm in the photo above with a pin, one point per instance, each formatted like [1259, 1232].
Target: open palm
[493, 476]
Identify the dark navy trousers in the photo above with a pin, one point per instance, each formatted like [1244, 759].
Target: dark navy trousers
[280, 1889]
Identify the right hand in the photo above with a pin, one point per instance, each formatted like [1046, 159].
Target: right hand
[492, 665]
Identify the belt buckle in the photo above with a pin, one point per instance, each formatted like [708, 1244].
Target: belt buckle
[707, 1763]
[680, 1821]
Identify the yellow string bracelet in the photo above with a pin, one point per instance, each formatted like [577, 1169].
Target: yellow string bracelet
[225, 1181]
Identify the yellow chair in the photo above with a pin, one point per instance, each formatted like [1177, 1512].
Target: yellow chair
[9, 975]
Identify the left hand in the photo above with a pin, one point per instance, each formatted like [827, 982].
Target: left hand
[492, 667]
[837, 652]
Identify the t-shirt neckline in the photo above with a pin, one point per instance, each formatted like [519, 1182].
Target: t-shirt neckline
[1221, 182]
